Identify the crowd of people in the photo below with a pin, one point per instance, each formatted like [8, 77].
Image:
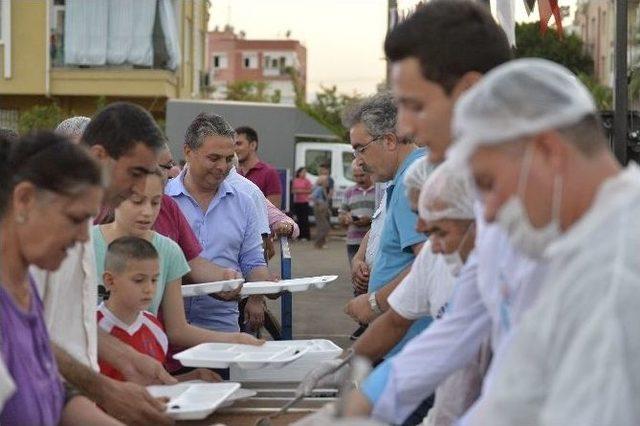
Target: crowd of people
[490, 237]
[99, 230]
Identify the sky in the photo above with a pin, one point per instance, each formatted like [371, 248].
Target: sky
[343, 37]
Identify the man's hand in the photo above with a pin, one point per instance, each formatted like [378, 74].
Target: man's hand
[269, 248]
[359, 309]
[230, 274]
[132, 404]
[326, 374]
[254, 312]
[247, 339]
[344, 219]
[360, 276]
[228, 295]
[144, 370]
[283, 229]
[363, 221]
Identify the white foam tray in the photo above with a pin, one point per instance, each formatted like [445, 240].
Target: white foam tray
[201, 289]
[319, 350]
[292, 285]
[224, 355]
[194, 401]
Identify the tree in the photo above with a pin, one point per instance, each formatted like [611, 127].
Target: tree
[251, 91]
[40, 117]
[568, 52]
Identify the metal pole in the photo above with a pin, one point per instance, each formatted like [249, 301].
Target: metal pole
[286, 302]
[621, 99]
[392, 12]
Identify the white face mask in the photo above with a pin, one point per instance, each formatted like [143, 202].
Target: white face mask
[454, 260]
[513, 217]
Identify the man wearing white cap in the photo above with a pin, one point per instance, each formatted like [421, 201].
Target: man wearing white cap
[537, 153]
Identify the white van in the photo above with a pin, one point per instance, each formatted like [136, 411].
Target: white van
[339, 156]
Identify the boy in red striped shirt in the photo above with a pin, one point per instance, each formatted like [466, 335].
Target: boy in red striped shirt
[132, 267]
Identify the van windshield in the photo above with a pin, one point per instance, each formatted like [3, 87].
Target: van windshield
[347, 159]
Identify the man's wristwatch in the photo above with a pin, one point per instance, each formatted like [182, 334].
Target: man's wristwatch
[374, 304]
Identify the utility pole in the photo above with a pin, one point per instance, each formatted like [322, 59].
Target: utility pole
[621, 101]
[392, 17]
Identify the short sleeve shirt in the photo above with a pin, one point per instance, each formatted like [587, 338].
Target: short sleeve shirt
[173, 264]
[399, 232]
[266, 178]
[172, 224]
[427, 288]
[145, 335]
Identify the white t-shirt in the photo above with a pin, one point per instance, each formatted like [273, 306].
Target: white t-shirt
[70, 296]
[426, 289]
[7, 387]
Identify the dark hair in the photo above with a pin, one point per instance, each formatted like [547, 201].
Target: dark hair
[120, 126]
[299, 170]
[8, 135]
[449, 38]
[123, 249]
[206, 124]
[249, 132]
[47, 160]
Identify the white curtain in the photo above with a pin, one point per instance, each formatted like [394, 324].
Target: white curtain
[117, 32]
[85, 32]
[169, 25]
[505, 11]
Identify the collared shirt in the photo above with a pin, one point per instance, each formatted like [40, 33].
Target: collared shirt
[399, 232]
[359, 202]
[172, 224]
[265, 177]
[229, 234]
[243, 184]
[398, 236]
[69, 297]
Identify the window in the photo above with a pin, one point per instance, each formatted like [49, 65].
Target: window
[314, 158]
[347, 159]
[220, 61]
[250, 60]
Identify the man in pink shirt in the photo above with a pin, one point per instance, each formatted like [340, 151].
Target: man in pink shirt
[262, 174]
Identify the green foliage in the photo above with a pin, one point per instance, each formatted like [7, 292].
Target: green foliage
[101, 102]
[328, 107]
[40, 117]
[568, 52]
[603, 95]
[251, 91]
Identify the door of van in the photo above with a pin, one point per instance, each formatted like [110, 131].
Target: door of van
[311, 155]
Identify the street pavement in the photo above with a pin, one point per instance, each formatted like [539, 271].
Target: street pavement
[319, 313]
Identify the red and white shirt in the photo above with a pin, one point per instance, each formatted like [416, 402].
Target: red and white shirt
[145, 335]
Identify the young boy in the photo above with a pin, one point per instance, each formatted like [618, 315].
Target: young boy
[132, 267]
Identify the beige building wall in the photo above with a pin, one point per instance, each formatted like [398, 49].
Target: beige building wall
[33, 81]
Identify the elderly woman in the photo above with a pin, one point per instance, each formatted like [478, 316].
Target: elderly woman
[49, 190]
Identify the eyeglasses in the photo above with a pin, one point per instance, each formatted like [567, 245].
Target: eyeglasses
[360, 150]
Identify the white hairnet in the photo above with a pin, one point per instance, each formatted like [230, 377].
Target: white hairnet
[73, 126]
[519, 98]
[447, 194]
[417, 174]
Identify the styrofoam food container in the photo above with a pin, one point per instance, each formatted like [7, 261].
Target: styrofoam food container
[292, 285]
[194, 401]
[224, 355]
[189, 290]
[319, 350]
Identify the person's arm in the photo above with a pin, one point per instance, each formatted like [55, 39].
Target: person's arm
[382, 335]
[359, 308]
[125, 401]
[254, 309]
[81, 411]
[203, 271]
[181, 333]
[444, 347]
[280, 223]
[275, 199]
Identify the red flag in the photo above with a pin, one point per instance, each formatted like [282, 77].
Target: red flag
[546, 8]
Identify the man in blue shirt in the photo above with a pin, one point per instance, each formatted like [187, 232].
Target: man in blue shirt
[223, 218]
[372, 125]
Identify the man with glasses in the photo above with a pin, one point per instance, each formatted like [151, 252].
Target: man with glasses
[372, 130]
